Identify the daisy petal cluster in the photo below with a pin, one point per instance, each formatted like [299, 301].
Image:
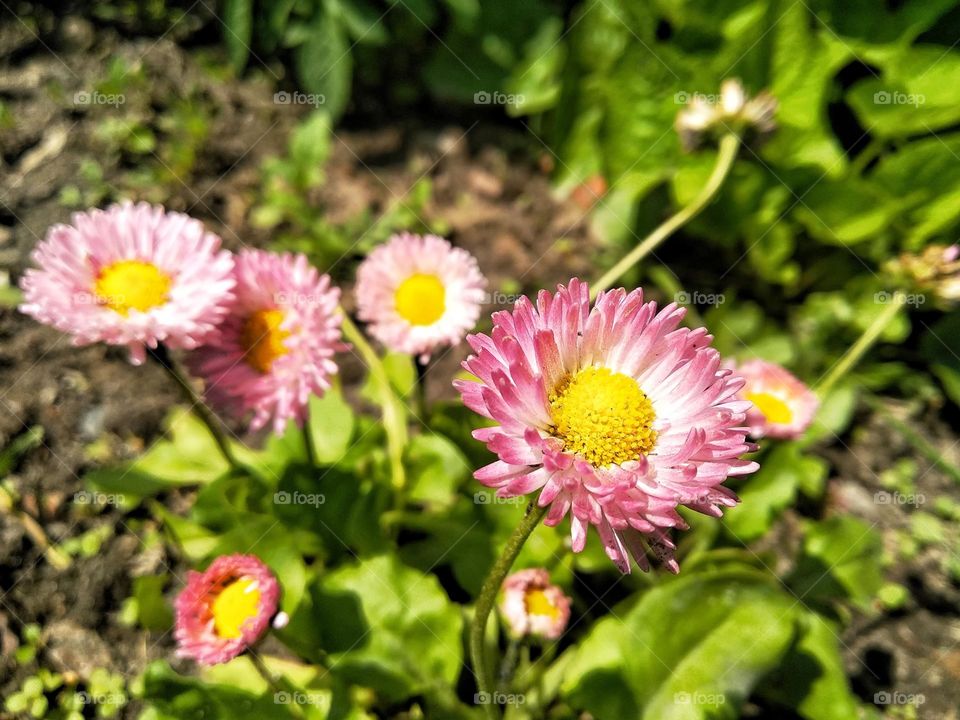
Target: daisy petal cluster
[732, 110]
[613, 413]
[276, 346]
[419, 293]
[532, 606]
[132, 275]
[783, 406]
[225, 609]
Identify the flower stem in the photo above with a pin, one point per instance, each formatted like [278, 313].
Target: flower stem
[861, 346]
[198, 407]
[283, 692]
[488, 595]
[394, 420]
[308, 443]
[726, 154]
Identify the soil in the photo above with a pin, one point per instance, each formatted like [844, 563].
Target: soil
[489, 189]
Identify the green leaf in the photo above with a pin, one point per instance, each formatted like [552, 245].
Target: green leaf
[324, 63]
[18, 447]
[396, 630]
[691, 648]
[771, 489]
[811, 680]
[153, 612]
[840, 560]
[436, 469]
[188, 456]
[331, 424]
[238, 30]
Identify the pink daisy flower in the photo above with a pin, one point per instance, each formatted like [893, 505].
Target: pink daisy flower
[419, 293]
[614, 413]
[225, 609]
[132, 275]
[783, 407]
[532, 605]
[276, 347]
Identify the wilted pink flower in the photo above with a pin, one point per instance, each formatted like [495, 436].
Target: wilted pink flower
[615, 414]
[935, 270]
[531, 605]
[276, 347]
[732, 109]
[130, 275]
[225, 609]
[783, 407]
[419, 293]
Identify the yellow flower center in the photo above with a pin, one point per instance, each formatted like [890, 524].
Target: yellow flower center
[420, 299]
[236, 604]
[603, 416]
[132, 285]
[262, 337]
[537, 602]
[773, 408]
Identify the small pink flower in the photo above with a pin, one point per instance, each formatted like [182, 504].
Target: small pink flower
[613, 413]
[225, 609]
[419, 293]
[783, 407]
[276, 347]
[531, 605]
[132, 275]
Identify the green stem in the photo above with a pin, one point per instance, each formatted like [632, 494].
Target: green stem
[861, 346]
[308, 444]
[394, 415]
[423, 409]
[278, 686]
[199, 408]
[488, 595]
[727, 153]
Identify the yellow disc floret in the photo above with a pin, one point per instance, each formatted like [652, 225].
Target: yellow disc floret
[132, 285]
[421, 299]
[773, 408]
[236, 604]
[537, 602]
[262, 337]
[603, 416]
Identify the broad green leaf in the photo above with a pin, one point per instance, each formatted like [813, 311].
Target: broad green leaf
[331, 424]
[436, 467]
[691, 648]
[396, 630]
[812, 680]
[771, 489]
[840, 560]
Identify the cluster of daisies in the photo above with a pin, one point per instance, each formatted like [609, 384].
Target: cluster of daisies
[260, 329]
[610, 411]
